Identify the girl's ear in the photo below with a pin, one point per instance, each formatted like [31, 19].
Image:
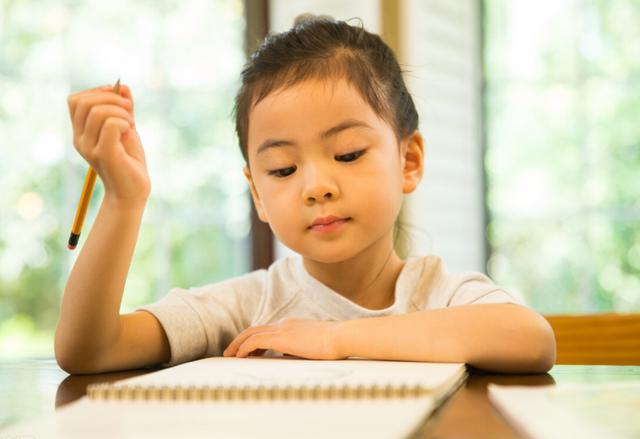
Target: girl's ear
[412, 151]
[254, 195]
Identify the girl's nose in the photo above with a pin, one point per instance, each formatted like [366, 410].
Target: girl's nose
[319, 193]
[319, 187]
[326, 196]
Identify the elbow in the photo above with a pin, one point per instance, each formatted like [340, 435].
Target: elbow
[66, 361]
[62, 356]
[532, 347]
[73, 361]
[542, 341]
[76, 366]
[67, 364]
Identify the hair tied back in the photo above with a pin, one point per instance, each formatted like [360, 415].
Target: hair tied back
[310, 18]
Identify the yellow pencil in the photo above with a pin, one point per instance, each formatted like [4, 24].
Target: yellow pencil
[83, 204]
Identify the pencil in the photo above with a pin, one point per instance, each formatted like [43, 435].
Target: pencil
[87, 191]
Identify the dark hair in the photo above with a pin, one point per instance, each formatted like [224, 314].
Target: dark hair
[319, 47]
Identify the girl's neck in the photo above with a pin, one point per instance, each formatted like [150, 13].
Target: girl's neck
[368, 279]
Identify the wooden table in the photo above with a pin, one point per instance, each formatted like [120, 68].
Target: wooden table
[31, 388]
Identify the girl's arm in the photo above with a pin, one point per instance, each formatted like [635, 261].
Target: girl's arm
[497, 337]
[91, 335]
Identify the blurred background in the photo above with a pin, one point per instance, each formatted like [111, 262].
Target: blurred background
[530, 112]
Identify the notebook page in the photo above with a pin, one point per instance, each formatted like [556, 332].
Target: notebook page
[591, 410]
[335, 418]
[372, 419]
[278, 371]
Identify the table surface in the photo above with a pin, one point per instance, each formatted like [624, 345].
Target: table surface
[35, 387]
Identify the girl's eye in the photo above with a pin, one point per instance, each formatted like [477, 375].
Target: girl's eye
[285, 172]
[281, 173]
[350, 157]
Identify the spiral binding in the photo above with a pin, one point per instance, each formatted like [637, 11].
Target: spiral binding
[107, 391]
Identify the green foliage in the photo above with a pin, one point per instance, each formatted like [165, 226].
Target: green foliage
[563, 104]
[182, 61]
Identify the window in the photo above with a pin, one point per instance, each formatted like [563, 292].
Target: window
[182, 61]
[563, 151]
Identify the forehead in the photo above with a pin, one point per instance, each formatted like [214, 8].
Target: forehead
[303, 110]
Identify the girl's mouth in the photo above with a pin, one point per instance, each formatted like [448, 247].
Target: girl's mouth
[327, 228]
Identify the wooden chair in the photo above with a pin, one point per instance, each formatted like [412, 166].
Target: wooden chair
[597, 338]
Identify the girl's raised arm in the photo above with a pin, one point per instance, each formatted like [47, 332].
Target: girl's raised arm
[91, 335]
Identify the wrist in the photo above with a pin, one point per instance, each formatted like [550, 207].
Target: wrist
[136, 205]
[340, 341]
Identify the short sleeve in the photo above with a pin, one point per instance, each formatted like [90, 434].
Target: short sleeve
[202, 321]
[475, 288]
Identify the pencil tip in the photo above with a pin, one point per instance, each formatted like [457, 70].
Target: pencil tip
[71, 247]
[116, 87]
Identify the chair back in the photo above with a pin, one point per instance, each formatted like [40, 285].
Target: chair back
[597, 338]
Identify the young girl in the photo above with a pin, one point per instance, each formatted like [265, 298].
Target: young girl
[329, 135]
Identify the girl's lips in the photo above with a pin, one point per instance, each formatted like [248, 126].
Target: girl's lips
[326, 228]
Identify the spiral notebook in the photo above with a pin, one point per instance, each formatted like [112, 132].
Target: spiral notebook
[259, 397]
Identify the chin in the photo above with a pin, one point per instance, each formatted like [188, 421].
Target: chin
[329, 253]
[324, 259]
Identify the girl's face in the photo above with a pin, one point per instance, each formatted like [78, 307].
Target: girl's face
[318, 149]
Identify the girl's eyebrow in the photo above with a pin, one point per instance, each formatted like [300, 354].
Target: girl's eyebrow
[344, 125]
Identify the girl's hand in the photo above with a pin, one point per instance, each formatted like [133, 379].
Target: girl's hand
[104, 134]
[312, 339]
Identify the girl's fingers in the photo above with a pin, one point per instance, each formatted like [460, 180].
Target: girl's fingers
[73, 98]
[257, 352]
[85, 105]
[125, 92]
[110, 133]
[90, 90]
[110, 158]
[133, 145]
[96, 119]
[261, 340]
[233, 346]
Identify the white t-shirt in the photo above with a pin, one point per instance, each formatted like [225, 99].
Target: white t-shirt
[202, 321]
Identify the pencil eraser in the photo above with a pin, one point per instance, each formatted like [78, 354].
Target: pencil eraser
[73, 241]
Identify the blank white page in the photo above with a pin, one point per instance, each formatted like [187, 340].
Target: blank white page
[278, 371]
